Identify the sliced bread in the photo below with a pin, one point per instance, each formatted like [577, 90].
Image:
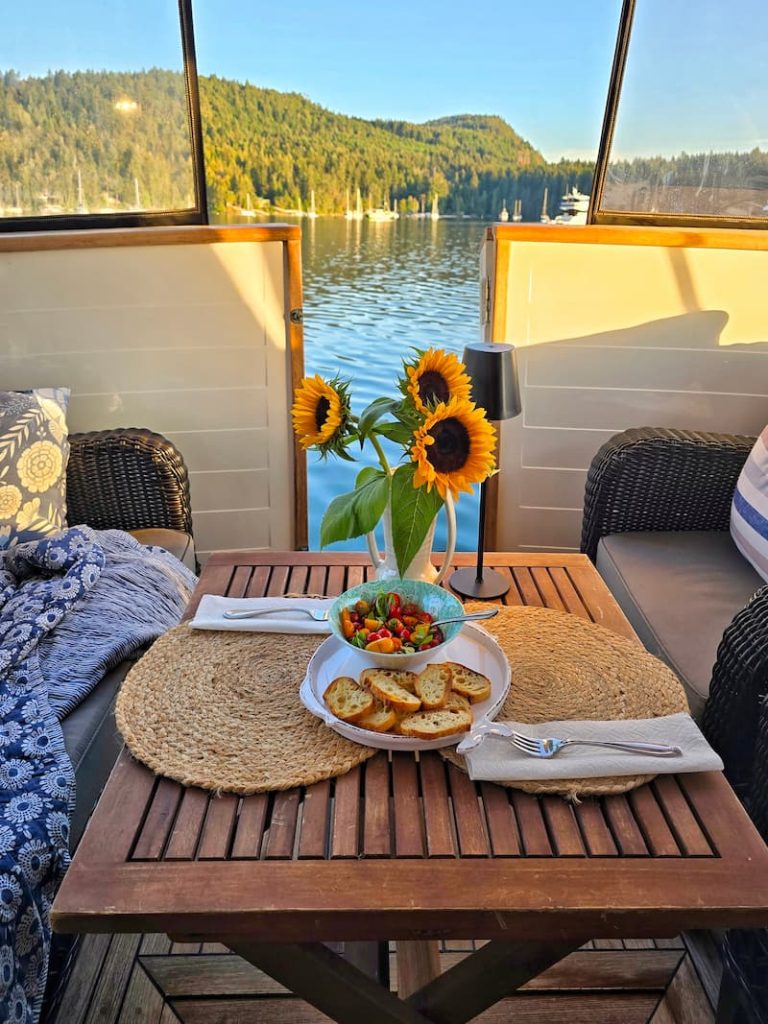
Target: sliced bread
[405, 679]
[455, 702]
[433, 686]
[470, 684]
[381, 719]
[434, 725]
[383, 683]
[348, 700]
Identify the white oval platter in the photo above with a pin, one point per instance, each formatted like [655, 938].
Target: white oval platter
[473, 647]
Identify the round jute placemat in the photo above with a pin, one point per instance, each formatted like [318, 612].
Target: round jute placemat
[221, 710]
[563, 667]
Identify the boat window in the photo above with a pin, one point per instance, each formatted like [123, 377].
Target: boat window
[689, 138]
[97, 115]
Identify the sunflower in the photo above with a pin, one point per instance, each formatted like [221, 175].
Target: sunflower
[320, 413]
[437, 377]
[454, 448]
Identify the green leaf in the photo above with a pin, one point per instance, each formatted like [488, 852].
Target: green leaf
[366, 474]
[413, 510]
[397, 432]
[371, 415]
[357, 512]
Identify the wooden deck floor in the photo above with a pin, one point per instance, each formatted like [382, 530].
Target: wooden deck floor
[135, 979]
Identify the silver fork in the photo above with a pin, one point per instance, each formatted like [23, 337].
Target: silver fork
[318, 614]
[551, 745]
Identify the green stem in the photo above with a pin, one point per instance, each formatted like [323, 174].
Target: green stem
[380, 452]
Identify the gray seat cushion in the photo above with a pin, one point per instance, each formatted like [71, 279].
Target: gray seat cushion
[679, 591]
[93, 743]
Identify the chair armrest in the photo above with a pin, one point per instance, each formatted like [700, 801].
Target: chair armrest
[653, 478]
[127, 479]
[738, 688]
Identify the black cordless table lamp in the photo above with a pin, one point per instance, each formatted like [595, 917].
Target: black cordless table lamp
[495, 388]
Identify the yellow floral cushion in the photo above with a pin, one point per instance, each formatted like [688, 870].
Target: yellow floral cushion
[33, 464]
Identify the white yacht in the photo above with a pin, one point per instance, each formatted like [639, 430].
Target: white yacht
[574, 207]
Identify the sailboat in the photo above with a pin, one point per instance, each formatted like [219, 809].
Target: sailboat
[435, 212]
[504, 215]
[357, 213]
[247, 210]
[544, 212]
[312, 212]
[382, 213]
[517, 212]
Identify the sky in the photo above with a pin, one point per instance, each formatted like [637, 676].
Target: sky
[694, 81]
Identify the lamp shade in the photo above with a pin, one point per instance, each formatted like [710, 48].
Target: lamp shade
[495, 385]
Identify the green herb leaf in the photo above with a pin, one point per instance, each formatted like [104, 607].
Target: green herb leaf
[357, 512]
[413, 510]
[371, 415]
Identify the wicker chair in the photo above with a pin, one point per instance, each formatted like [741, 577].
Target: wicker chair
[744, 988]
[127, 479]
[659, 479]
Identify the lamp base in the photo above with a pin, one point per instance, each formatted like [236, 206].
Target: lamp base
[466, 583]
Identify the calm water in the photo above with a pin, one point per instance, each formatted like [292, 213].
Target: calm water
[371, 292]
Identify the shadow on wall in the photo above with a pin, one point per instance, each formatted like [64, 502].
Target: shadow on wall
[669, 372]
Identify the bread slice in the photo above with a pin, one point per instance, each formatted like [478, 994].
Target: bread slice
[383, 684]
[434, 725]
[405, 679]
[381, 719]
[455, 702]
[433, 686]
[348, 700]
[470, 684]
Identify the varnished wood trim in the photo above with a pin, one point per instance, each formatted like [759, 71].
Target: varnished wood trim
[499, 291]
[294, 301]
[613, 234]
[41, 241]
[351, 558]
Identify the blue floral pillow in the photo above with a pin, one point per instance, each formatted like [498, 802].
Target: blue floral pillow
[33, 464]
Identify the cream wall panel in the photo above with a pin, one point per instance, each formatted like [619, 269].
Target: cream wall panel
[616, 336]
[246, 488]
[559, 447]
[187, 340]
[616, 409]
[238, 529]
[659, 369]
[223, 449]
[170, 410]
[133, 371]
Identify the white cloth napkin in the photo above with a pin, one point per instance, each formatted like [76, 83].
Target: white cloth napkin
[284, 617]
[497, 760]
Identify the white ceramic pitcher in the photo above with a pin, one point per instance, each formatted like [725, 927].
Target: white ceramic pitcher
[421, 567]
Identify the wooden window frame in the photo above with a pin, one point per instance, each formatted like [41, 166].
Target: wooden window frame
[162, 218]
[597, 215]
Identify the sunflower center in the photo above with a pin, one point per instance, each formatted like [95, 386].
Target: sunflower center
[321, 412]
[451, 448]
[433, 387]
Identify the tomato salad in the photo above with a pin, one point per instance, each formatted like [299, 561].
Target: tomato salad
[389, 626]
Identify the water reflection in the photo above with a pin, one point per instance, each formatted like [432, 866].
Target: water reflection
[371, 292]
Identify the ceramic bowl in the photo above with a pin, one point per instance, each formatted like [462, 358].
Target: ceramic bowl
[440, 604]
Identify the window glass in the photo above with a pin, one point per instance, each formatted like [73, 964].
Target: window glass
[93, 109]
[691, 132]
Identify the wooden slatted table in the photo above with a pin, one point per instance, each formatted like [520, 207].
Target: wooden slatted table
[408, 848]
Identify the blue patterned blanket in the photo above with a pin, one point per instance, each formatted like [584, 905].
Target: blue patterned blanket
[71, 607]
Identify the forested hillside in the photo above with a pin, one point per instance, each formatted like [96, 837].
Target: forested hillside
[123, 131]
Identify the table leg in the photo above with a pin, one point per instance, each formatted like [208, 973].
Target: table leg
[328, 982]
[485, 977]
[418, 963]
